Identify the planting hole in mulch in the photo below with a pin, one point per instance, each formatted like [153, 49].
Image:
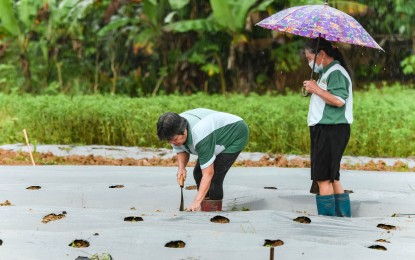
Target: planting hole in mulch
[273, 243]
[52, 217]
[303, 219]
[191, 187]
[6, 203]
[378, 247]
[79, 243]
[220, 219]
[116, 186]
[133, 219]
[1, 242]
[382, 240]
[33, 188]
[270, 188]
[348, 191]
[176, 244]
[385, 226]
[104, 256]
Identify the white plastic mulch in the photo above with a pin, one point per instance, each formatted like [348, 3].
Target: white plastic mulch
[95, 213]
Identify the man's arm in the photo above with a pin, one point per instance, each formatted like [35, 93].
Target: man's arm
[207, 175]
[182, 159]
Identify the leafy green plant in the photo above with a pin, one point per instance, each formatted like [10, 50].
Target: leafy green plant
[139, 48]
[408, 65]
[205, 55]
[17, 21]
[287, 59]
[382, 127]
[227, 16]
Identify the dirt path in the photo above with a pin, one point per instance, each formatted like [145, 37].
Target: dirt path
[10, 157]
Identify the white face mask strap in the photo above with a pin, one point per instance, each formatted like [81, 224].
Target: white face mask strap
[321, 59]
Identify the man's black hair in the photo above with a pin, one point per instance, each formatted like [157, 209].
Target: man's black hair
[169, 125]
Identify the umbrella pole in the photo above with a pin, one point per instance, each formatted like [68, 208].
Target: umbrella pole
[304, 92]
[315, 56]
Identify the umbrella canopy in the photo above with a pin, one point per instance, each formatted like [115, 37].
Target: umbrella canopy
[320, 21]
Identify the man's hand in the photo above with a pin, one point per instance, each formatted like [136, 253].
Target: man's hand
[181, 172]
[207, 175]
[182, 159]
[195, 206]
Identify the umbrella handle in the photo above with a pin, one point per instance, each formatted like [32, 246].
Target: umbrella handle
[304, 92]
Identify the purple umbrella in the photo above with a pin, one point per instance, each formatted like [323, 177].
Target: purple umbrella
[320, 21]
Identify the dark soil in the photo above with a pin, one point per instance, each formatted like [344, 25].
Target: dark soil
[220, 219]
[23, 158]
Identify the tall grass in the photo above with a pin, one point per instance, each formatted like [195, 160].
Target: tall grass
[384, 120]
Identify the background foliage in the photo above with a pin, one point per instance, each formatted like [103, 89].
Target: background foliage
[102, 71]
[151, 47]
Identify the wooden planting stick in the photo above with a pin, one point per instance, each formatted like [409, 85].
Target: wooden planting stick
[28, 146]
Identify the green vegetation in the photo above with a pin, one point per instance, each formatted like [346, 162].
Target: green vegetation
[149, 47]
[384, 120]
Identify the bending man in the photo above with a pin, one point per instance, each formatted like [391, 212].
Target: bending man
[216, 138]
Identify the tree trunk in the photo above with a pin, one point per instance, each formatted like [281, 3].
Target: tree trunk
[96, 74]
[111, 10]
[221, 74]
[413, 40]
[25, 64]
[280, 79]
[114, 69]
[59, 71]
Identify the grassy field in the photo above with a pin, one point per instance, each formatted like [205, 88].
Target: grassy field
[384, 120]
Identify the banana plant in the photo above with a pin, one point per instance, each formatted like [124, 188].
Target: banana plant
[349, 7]
[205, 54]
[138, 28]
[407, 27]
[150, 21]
[48, 20]
[113, 41]
[228, 16]
[17, 21]
[406, 21]
[63, 22]
[149, 32]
